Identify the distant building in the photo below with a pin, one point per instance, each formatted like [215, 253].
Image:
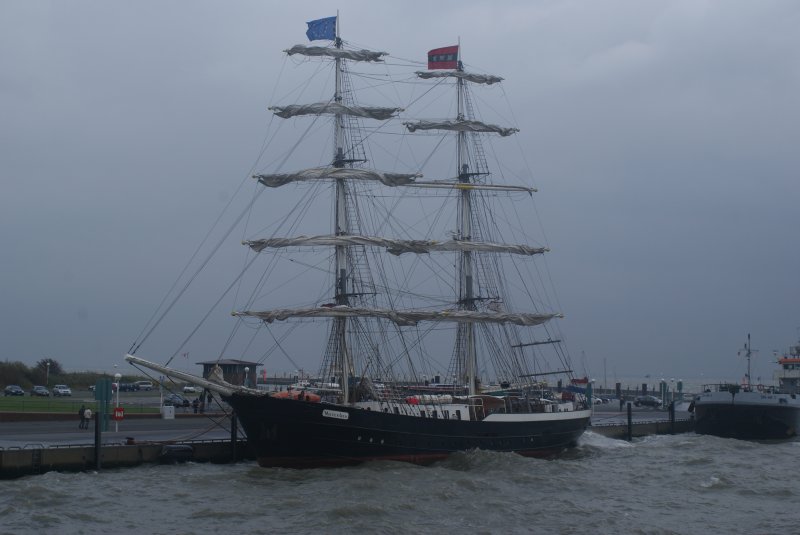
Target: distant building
[233, 370]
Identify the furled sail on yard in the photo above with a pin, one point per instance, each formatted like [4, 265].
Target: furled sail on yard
[395, 247]
[334, 108]
[400, 317]
[487, 79]
[354, 55]
[336, 173]
[460, 125]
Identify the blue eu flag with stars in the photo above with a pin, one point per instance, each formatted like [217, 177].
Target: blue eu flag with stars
[322, 29]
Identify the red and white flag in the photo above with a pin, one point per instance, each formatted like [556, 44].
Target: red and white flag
[443, 58]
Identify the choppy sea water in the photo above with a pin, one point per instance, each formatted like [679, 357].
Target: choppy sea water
[661, 484]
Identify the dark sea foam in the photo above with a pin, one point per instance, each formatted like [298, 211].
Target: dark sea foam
[667, 484]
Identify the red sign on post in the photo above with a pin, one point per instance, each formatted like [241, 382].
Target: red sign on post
[119, 413]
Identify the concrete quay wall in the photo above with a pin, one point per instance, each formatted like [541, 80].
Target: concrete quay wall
[642, 429]
[16, 462]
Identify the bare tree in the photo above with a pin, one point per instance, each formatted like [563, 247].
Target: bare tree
[55, 366]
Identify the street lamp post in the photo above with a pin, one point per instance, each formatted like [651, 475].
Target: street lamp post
[117, 377]
[246, 371]
[47, 374]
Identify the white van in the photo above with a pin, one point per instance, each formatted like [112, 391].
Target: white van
[144, 385]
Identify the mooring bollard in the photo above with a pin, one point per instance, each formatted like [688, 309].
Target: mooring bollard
[630, 422]
[233, 437]
[98, 441]
[672, 418]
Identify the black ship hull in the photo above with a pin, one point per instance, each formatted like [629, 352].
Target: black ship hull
[748, 422]
[301, 434]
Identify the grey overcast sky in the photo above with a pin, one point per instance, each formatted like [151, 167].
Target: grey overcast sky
[663, 136]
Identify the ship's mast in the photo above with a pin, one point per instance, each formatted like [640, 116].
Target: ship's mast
[341, 228]
[748, 352]
[466, 283]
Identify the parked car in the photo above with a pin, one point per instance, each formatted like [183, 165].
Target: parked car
[62, 390]
[189, 389]
[144, 385]
[13, 390]
[128, 387]
[648, 401]
[176, 400]
[40, 391]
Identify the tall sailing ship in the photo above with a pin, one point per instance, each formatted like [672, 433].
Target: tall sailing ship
[400, 292]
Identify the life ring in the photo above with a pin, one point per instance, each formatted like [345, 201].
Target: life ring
[760, 388]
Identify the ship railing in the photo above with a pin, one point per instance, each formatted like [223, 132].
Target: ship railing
[735, 388]
[527, 405]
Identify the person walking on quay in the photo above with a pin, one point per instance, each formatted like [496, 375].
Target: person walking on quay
[82, 414]
[88, 418]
